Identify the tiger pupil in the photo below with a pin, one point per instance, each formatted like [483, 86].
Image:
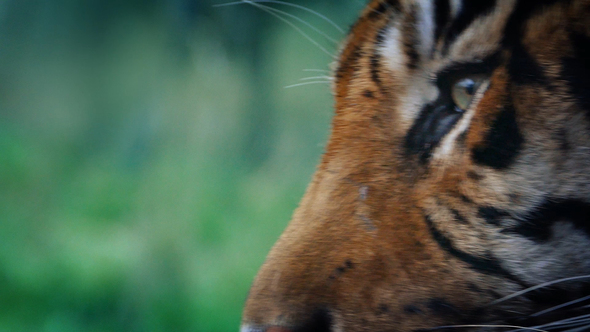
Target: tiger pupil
[469, 86]
[463, 92]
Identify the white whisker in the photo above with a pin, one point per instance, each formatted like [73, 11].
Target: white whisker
[485, 325]
[328, 78]
[572, 321]
[579, 329]
[306, 83]
[309, 25]
[317, 70]
[306, 36]
[560, 306]
[336, 26]
[530, 289]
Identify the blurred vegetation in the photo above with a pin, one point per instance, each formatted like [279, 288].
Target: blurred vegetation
[150, 156]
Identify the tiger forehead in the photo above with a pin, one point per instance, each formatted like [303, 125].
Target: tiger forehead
[437, 33]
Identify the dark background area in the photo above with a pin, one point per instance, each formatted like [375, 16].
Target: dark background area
[150, 155]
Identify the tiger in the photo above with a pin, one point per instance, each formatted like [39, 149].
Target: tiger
[454, 190]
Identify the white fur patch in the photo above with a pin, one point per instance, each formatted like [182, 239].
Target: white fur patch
[425, 26]
[418, 94]
[391, 50]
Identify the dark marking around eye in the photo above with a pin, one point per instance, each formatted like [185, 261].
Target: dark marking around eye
[470, 11]
[433, 123]
[576, 71]
[491, 215]
[503, 142]
[537, 226]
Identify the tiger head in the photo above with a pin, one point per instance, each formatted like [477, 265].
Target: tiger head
[455, 184]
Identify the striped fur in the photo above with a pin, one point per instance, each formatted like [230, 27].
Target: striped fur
[419, 216]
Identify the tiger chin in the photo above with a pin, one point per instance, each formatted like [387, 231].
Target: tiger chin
[454, 192]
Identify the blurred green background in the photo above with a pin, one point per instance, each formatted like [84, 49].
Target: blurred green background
[150, 155]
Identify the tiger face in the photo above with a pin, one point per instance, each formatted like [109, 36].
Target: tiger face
[455, 179]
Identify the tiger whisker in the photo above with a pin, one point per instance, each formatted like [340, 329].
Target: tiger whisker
[486, 325]
[543, 285]
[323, 17]
[572, 321]
[328, 78]
[560, 306]
[579, 329]
[298, 29]
[306, 83]
[317, 70]
[336, 26]
[309, 25]
[280, 12]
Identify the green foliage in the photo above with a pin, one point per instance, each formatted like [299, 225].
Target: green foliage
[150, 157]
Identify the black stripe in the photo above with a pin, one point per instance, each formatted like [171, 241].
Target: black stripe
[376, 57]
[350, 62]
[503, 142]
[538, 225]
[491, 215]
[522, 12]
[576, 71]
[523, 68]
[470, 10]
[487, 265]
[442, 15]
[383, 7]
[458, 217]
[409, 39]
[465, 199]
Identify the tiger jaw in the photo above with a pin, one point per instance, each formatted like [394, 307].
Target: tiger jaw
[419, 217]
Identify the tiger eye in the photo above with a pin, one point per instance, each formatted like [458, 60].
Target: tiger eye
[464, 90]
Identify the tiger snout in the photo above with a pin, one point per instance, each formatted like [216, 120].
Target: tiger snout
[332, 271]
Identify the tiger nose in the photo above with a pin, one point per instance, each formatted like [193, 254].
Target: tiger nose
[320, 321]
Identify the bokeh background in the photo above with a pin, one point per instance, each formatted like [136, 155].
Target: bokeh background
[150, 155]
